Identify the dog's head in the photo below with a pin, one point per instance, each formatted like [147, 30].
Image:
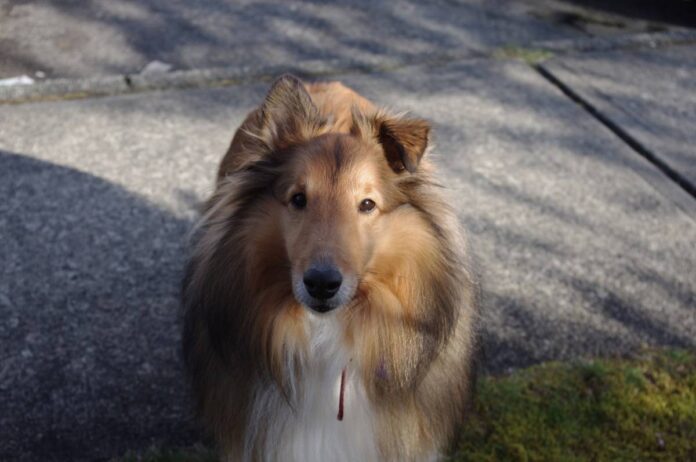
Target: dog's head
[310, 219]
[334, 189]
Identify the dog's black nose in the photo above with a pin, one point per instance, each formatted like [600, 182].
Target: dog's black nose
[322, 283]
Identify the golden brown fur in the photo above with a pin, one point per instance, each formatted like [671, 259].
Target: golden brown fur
[410, 324]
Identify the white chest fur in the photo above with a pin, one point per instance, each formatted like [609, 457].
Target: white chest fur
[310, 430]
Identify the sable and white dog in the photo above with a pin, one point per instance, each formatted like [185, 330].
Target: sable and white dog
[329, 304]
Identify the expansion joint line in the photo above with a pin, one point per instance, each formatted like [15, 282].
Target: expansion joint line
[633, 143]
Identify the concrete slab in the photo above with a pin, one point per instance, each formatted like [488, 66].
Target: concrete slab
[649, 94]
[580, 255]
[64, 38]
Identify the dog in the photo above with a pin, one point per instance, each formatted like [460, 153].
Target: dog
[329, 302]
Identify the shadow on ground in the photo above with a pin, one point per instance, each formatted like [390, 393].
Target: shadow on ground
[88, 310]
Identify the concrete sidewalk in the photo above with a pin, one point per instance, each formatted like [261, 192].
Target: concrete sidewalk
[64, 38]
[649, 95]
[79, 50]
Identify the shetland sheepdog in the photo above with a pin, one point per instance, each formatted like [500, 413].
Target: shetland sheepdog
[329, 303]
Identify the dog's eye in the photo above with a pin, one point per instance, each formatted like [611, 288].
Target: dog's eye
[299, 201]
[366, 205]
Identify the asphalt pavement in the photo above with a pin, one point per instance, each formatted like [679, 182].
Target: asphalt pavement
[572, 176]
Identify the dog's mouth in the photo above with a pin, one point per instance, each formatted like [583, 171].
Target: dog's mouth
[321, 308]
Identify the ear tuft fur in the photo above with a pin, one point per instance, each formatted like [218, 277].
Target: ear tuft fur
[403, 140]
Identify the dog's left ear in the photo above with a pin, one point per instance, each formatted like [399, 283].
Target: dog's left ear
[404, 140]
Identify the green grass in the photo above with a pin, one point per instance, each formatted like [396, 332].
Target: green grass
[615, 410]
[637, 409]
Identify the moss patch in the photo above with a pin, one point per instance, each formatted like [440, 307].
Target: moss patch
[638, 409]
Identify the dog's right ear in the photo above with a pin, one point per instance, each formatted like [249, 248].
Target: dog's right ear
[288, 115]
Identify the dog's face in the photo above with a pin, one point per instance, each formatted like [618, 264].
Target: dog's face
[335, 192]
[335, 189]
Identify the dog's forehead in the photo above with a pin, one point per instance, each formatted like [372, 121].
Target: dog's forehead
[336, 160]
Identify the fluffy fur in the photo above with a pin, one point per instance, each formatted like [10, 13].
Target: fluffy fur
[266, 368]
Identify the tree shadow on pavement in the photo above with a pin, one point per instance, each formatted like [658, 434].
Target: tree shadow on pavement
[121, 36]
[89, 355]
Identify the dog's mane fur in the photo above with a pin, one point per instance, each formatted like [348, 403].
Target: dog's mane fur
[412, 329]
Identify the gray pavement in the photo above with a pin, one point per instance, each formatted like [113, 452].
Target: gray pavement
[68, 38]
[649, 94]
[65, 38]
[580, 254]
